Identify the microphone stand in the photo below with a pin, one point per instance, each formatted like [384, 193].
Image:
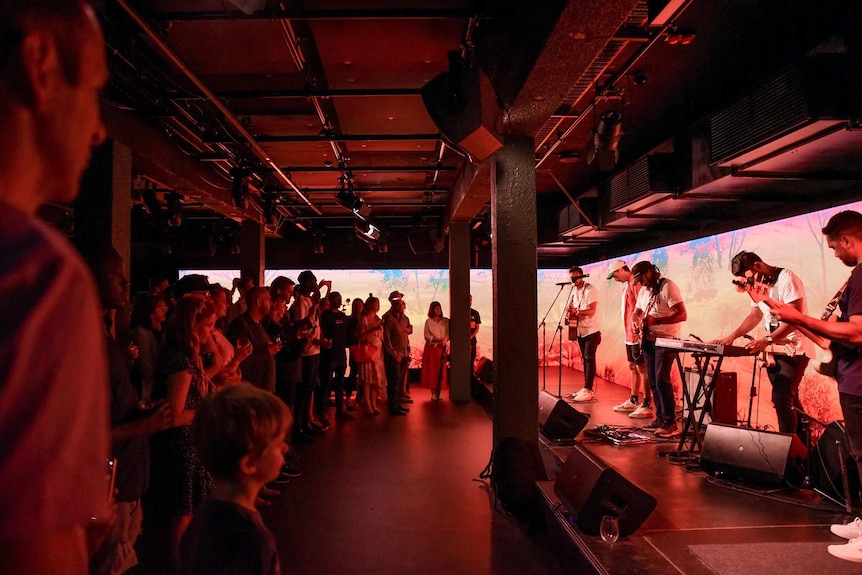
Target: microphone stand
[542, 327]
[559, 333]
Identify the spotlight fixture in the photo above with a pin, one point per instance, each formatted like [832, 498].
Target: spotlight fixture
[366, 231]
[318, 242]
[240, 187]
[174, 211]
[604, 146]
[269, 200]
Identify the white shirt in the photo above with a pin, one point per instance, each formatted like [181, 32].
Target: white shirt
[436, 331]
[660, 305]
[788, 288]
[582, 299]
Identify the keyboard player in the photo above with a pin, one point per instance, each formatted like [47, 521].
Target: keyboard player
[786, 362]
[659, 312]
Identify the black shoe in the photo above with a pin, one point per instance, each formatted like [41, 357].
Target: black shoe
[398, 411]
[288, 471]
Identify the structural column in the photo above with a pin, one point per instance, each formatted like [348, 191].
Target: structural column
[459, 306]
[103, 210]
[252, 255]
[513, 221]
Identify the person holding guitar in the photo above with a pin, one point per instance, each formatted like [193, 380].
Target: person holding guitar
[584, 326]
[843, 234]
[782, 344]
[659, 312]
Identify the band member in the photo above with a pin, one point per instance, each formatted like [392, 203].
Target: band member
[844, 237]
[582, 316]
[785, 363]
[620, 272]
[659, 312]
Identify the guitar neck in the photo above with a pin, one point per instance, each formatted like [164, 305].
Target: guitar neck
[818, 340]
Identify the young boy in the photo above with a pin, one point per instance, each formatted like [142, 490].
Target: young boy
[240, 435]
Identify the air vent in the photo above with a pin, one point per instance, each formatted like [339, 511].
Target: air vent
[809, 91]
[571, 219]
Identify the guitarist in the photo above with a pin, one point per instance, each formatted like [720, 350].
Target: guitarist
[844, 237]
[782, 341]
[659, 312]
[584, 322]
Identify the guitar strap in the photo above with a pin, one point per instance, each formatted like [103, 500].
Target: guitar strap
[833, 303]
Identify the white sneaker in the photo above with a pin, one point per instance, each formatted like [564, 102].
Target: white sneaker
[627, 405]
[851, 530]
[643, 412]
[583, 395]
[850, 551]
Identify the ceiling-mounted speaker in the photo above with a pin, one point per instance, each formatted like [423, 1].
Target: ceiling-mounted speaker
[463, 105]
[425, 240]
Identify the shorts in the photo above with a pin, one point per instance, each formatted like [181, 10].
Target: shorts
[634, 354]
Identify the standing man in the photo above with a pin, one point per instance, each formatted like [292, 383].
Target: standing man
[333, 361]
[475, 324]
[396, 351]
[844, 237]
[259, 367]
[786, 362]
[54, 427]
[620, 272]
[582, 310]
[659, 312]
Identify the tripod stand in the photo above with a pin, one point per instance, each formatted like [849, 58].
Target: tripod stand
[558, 333]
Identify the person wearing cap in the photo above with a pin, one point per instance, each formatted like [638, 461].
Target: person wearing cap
[396, 356]
[659, 312]
[619, 271]
[582, 315]
[786, 362]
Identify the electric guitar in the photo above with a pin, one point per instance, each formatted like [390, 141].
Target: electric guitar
[828, 364]
[758, 287]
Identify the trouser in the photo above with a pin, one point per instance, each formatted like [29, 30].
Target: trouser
[851, 408]
[336, 384]
[324, 386]
[310, 369]
[785, 376]
[588, 345]
[395, 374]
[117, 553]
[659, 362]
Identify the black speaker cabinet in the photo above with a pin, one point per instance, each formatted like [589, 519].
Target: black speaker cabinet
[559, 421]
[590, 489]
[826, 471]
[754, 456]
[463, 105]
[485, 370]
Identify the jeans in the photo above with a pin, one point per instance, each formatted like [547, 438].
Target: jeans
[588, 345]
[659, 362]
[785, 376]
[851, 407]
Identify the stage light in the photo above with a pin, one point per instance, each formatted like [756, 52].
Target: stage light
[240, 187]
[366, 230]
[606, 139]
[175, 211]
[318, 242]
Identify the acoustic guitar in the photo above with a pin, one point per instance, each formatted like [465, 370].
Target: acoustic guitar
[572, 320]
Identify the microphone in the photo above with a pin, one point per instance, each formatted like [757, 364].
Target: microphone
[563, 283]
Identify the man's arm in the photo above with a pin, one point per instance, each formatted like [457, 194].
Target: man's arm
[749, 323]
[845, 332]
[678, 314]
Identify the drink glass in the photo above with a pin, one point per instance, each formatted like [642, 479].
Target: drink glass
[609, 528]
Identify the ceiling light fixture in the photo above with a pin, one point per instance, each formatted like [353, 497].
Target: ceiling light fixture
[604, 146]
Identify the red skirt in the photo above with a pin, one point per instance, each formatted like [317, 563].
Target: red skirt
[432, 364]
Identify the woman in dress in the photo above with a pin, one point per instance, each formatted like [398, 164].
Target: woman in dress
[223, 368]
[350, 384]
[434, 372]
[371, 375]
[179, 480]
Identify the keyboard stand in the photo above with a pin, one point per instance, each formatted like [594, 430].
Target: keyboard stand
[702, 391]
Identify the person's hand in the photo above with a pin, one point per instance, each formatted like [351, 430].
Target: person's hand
[274, 347]
[243, 349]
[160, 419]
[132, 352]
[756, 346]
[782, 311]
[326, 343]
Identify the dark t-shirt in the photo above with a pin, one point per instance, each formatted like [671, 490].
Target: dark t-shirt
[475, 320]
[259, 367]
[133, 454]
[850, 363]
[333, 325]
[226, 539]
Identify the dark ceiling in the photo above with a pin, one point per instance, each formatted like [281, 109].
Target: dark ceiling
[731, 113]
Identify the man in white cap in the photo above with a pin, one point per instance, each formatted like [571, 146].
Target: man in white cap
[619, 271]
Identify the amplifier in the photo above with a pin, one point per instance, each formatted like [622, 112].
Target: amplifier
[723, 396]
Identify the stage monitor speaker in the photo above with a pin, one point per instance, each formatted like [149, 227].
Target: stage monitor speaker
[826, 468]
[754, 456]
[559, 421]
[485, 370]
[425, 240]
[590, 490]
[463, 105]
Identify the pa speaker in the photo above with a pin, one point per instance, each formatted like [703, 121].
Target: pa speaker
[831, 459]
[559, 421]
[761, 457]
[590, 490]
[463, 105]
[485, 370]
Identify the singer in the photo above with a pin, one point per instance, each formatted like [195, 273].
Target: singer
[584, 326]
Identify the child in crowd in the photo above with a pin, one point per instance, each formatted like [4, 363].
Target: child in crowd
[240, 435]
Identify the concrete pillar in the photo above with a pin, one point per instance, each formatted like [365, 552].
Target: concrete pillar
[459, 306]
[103, 210]
[252, 255]
[514, 244]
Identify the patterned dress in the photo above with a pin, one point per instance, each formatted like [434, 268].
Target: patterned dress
[179, 481]
[372, 372]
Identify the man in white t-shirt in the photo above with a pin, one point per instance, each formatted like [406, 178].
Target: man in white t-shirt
[659, 312]
[786, 362]
[584, 326]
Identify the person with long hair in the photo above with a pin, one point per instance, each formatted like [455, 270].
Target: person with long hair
[179, 480]
[350, 384]
[224, 369]
[371, 374]
[434, 372]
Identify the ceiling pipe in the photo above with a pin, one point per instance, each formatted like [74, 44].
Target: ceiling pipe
[616, 77]
[229, 116]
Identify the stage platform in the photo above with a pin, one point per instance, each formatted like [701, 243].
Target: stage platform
[700, 525]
